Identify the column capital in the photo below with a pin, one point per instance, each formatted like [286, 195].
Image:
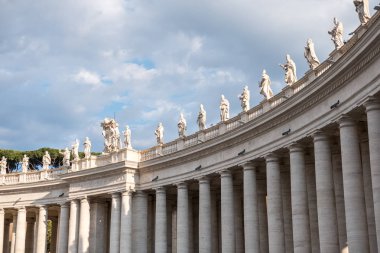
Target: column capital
[115, 195]
[2, 210]
[271, 157]
[21, 209]
[346, 121]
[203, 180]
[64, 204]
[372, 103]
[140, 193]
[83, 199]
[295, 147]
[160, 190]
[249, 165]
[225, 173]
[320, 135]
[127, 193]
[181, 185]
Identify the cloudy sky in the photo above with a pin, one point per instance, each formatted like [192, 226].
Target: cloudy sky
[66, 65]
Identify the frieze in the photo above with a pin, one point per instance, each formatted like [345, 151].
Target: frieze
[97, 183]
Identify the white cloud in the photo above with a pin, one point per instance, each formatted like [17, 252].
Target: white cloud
[87, 77]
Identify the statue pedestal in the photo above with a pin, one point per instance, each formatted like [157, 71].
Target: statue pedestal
[222, 128]
[180, 143]
[201, 136]
[75, 165]
[244, 117]
[159, 150]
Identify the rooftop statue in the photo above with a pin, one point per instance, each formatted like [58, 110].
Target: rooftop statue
[244, 99]
[127, 137]
[310, 54]
[87, 148]
[362, 8]
[265, 89]
[75, 150]
[224, 109]
[3, 166]
[182, 126]
[159, 134]
[111, 135]
[25, 164]
[46, 161]
[201, 120]
[290, 71]
[66, 157]
[337, 34]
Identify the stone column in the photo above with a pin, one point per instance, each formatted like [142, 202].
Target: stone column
[6, 237]
[63, 233]
[327, 221]
[300, 210]
[2, 218]
[356, 218]
[13, 237]
[84, 226]
[73, 227]
[21, 230]
[205, 233]
[373, 120]
[276, 235]
[29, 244]
[140, 223]
[263, 217]
[182, 218]
[115, 224]
[251, 218]
[126, 223]
[42, 229]
[54, 231]
[227, 212]
[161, 221]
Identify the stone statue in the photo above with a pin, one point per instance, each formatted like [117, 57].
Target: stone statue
[182, 126]
[224, 109]
[87, 148]
[25, 164]
[111, 135]
[46, 161]
[362, 8]
[201, 120]
[337, 34]
[290, 71]
[310, 54]
[66, 157]
[244, 99]
[75, 150]
[127, 137]
[3, 166]
[265, 83]
[159, 134]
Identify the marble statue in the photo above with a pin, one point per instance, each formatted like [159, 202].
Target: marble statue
[75, 150]
[87, 148]
[46, 161]
[159, 134]
[310, 54]
[127, 137]
[362, 8]
[111, 135]
[3, 166]
[182, 126]
[244, 99]
[66, 157]
[201, 120]
[290, 71]
[224, 109]
[265, 83]
[25, 164]
[337, 34]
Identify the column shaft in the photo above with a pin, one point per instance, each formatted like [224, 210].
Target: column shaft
[373, 119]
[276, 235]
[251, 218]
[205, 233]
[13, 236]
[161, 221]
[126, 223]
[356, 221]
[42, 229]
[140, 223]
[63, 233]
[6, 237]
[182, 219]
[29, 246]
[84, 226]
[73, 227]
[115, 224]
[327, 221]
[227, 212]
[300, 210]
[54, 231]
[2, 219]
[21, 230]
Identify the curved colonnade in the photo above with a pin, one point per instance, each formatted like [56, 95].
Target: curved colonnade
[297, 173]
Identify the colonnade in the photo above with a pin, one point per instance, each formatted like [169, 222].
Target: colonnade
[319, 194]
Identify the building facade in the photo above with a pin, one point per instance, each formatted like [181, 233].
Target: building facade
[300, 172]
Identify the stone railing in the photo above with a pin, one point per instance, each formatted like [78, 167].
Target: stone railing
[32, 176]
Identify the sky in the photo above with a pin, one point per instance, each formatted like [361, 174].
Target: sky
[66, 65]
